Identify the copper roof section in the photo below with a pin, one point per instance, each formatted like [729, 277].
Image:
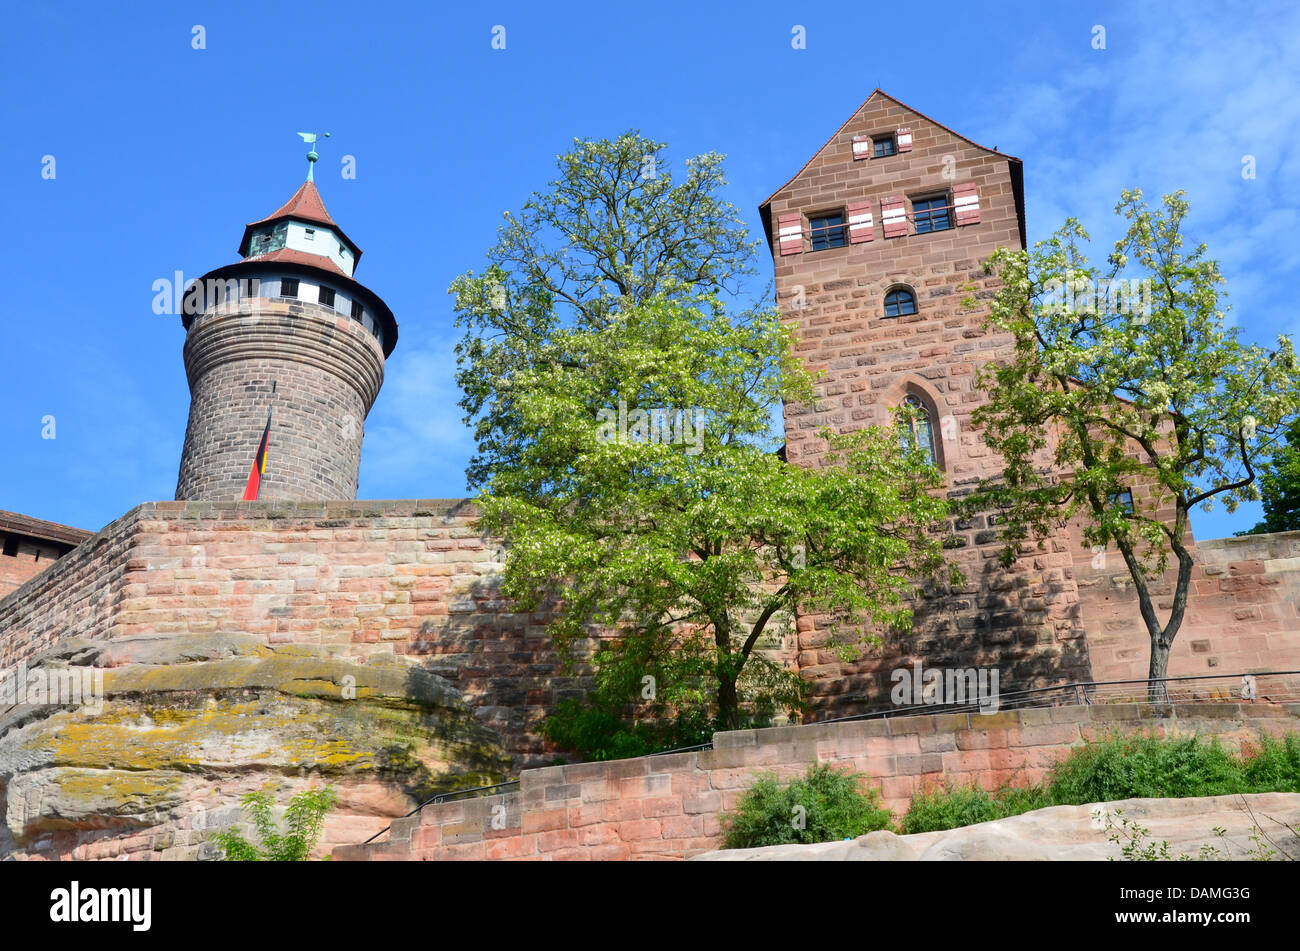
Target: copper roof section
[15, 524]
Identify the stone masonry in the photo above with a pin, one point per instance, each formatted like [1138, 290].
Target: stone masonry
[327, 371]
[1024, 620]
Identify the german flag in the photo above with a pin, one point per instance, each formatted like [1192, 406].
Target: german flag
[254, 487]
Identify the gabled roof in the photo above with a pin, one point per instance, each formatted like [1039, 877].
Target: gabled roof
[14, 523]
[878, 92]
[305, 205]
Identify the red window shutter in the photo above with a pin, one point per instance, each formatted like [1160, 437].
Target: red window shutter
[966, 202]
[862, 226]
[861, 147]
[905, 140]
[790, 233]
[893, 215]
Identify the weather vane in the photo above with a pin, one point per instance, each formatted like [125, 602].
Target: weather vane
[310, 138]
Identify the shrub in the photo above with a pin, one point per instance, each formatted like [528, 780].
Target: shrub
[821, 806]
[1145, 766]
[304, 817]
[1274, 765]
[954, 806]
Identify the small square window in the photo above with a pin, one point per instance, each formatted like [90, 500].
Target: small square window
[883, 145]
[311, 234]
[11, 546]
[327, 297]
[827, 232]
[343, 252]
[1123, 499]
[289, 287]
[931, 214]
[356, 310]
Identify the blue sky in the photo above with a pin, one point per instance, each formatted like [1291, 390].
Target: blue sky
[163, 153]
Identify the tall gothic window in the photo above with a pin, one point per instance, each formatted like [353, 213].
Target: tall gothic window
[919, 430]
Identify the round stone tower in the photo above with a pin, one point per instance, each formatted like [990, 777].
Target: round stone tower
[283, 342]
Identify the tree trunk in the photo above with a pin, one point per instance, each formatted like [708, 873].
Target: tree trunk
[728, 704]
[1158, 670]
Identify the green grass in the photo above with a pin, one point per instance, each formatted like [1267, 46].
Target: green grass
[1141, 766]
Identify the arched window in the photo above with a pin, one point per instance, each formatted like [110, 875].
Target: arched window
[900, 302]
[918, 431]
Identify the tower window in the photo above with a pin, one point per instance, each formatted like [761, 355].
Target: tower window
[827, 232]
[11, 546]
[931, 214]
[343, 252]
[327, 297]
[1123, 499]
[900, 302]
[311, 234]
[356, 310]
[917, 431]
[883, 145]
[289, 287]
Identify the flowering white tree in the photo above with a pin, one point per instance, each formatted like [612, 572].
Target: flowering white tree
[1114, 396]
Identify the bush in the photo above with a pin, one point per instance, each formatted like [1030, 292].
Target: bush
[955, 806]
[601, 731]
[1148, 767]
[822, 806]
[1274, 765]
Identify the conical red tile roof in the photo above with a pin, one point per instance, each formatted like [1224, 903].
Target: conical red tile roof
[305, 204]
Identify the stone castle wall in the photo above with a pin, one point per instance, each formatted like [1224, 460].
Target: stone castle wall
[354, 579]
[669, 807]
[414, 578]
[1243, 612]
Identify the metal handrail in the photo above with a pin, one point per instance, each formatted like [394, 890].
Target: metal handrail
[444, 797]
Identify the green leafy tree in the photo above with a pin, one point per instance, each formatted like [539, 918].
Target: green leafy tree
[625, 448]
[1100, 396]
[304, 818]
[1279, 486]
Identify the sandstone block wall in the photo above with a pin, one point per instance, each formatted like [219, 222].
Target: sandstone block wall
[668, 807]
[356, 578]
[1243, 612]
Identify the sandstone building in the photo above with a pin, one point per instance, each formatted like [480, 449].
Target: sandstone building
[312, 635]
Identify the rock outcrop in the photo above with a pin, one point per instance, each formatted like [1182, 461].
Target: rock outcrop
[172, 730]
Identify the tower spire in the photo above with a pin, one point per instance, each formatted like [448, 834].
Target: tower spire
[310, 138]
